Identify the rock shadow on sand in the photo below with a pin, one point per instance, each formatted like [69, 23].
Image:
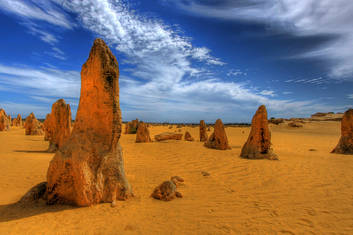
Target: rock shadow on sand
[17, 211]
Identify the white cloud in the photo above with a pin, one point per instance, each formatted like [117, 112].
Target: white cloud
[46, 82]
[163, 83]
[236, 73]
[301, 18]
[350, 96]
[267, 93]
[313, 81]
[39, 10]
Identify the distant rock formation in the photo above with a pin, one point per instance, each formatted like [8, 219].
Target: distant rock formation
[276, 121]
[258, 145]
[168, 136]
[345, 144]
[4, 121]
[143, 134]
[218, 139]
[188, 137]
[89, 169]
[46, 127]
[57, 125]
[203, 131]
[295, 124]
[131, 127]
[33, 126]
[17, 121]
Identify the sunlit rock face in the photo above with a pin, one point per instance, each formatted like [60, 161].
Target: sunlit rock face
[89, 168]
[258, 145]
[345, 144]
[218, 139]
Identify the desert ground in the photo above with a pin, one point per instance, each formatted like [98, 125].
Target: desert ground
[308, 191]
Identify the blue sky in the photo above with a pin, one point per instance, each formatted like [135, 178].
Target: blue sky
[182, 61]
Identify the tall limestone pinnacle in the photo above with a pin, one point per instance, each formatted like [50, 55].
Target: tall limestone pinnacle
[89, 167]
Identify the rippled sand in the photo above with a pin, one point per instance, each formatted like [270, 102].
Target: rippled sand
[305, 192]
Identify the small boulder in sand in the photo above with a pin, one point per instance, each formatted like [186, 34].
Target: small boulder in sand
[188, 136]
[203, 132]
[168, 136]
[143, 134]
[218, 139]
[345, 144]
[33, 126]
[167, 190]
[258, 145]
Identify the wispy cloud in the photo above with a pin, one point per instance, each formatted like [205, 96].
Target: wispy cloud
[46, 82]
[236, 73]
[300, 18]
[267, 93]
[313, 81]
[37, 11]
[40, 17]
[166, 78]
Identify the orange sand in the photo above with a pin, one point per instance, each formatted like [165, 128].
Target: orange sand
[305, 192]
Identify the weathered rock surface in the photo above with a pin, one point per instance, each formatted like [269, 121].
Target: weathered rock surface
[188, 137]
[89, 168]
[345, 144]
[143, 134]
[4, 121]
[17, 121]
[46, 127]
[203, 131]
[131, 127]
[218, 139]
[258, 145]
[33, 126]
[57, 125]
[168, 136]
[167, 190]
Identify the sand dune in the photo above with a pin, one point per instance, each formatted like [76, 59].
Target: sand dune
[305, 192]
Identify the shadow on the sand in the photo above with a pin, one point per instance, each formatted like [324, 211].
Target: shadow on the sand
[31, 151]
[18, 210]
